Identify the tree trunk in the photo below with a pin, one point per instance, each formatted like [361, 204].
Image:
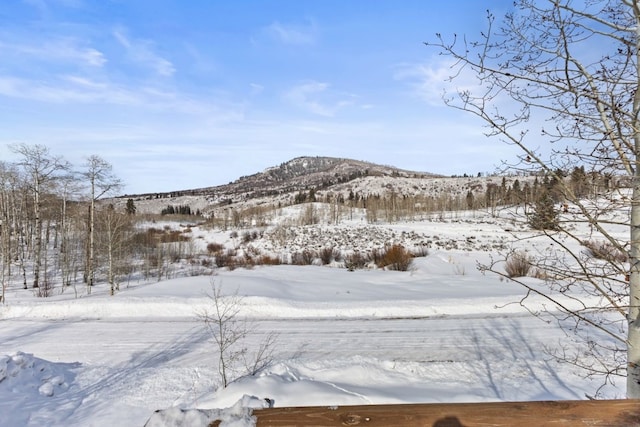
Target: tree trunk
[633, 335]
[90, 264]
[38, 237]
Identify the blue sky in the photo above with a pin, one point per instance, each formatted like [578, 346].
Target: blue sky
[180, 94]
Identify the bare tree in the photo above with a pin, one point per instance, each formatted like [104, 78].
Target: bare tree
[230, 332]
[560, 80]
[41, 169]
[8, 181]
[114, 230]
[99, 174]
[68, 189]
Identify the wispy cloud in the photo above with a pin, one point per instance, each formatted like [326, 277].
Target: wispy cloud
[76, 89]
[317, 98]
[61, 49]
[256, 88]
[142, 52]
[432, 81]
[293, 34]
[73, 90]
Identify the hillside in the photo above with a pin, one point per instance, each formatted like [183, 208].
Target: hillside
[295, 175]
[329, 177]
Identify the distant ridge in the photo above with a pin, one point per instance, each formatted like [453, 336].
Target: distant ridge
[300, 173]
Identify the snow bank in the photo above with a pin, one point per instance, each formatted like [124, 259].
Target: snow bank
[238, 415]
[28, 383]
[24, 374]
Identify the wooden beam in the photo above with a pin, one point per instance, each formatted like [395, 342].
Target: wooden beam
[609, 413]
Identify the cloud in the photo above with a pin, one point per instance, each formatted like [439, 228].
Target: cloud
[74, 89]
[69, 89]
[293, 34]
[256, 88]
[142, 52]
[428, 81]
[317, 98]
[440, 79]
[62, 50]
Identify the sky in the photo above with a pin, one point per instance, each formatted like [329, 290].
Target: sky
[186, 94]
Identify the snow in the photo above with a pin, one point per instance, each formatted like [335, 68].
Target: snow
[442, 332]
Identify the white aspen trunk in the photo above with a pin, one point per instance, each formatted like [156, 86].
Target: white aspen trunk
[633, 336]
[38, 237]
[92, 209]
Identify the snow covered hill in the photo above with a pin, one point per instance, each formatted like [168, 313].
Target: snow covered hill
[327, 176]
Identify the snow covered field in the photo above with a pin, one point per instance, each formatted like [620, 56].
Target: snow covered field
[442, 332]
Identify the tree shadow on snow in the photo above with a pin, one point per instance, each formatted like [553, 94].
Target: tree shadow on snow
[511, 367]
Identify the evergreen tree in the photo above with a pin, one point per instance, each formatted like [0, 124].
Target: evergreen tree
[545, 215]
[130, 208]
[469, 199]
[579, 182]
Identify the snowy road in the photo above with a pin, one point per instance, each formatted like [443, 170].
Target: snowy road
[145, 365]
[453, 338]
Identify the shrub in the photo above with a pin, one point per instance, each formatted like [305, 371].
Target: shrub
[420, 251]
[517, 264]
[245, 261]
[249, 236]
[269, 260]
[226, 259]
[173, 236]
[328, 254]
[214, 248]
[377, 256]
[306, 257]
[356, 260]
[605, 251]
[396, 258]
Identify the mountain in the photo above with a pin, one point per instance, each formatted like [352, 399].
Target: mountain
[329, 177]
[301, 173]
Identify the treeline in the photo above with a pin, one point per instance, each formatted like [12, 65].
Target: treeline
[56, 231]
[179, 210]
[50, 225]
[523, 191]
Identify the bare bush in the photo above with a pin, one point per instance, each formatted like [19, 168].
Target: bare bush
[328, 254]
[396, 258]
[250, 236]
[45, 289]
[306, 257]
[214, 248]
[518, 264]
[605, 251]
[356, 260]
[269, 260]
[227, 259]
[229, 332]
[420, 251]
[377, 255]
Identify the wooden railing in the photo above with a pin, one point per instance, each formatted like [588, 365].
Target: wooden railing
[610, 413]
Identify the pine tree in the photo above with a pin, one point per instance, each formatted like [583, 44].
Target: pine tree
[130, 209]
[545, 215]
